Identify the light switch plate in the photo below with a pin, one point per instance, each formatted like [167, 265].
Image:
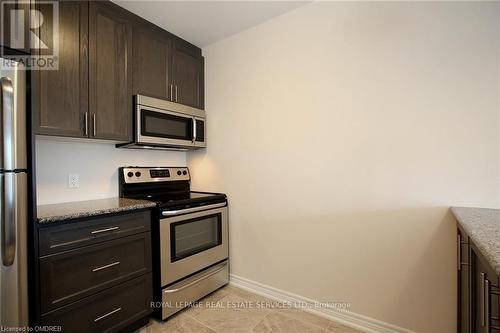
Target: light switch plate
[73, 180]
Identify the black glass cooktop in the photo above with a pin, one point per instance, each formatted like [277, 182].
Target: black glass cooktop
[184, 198]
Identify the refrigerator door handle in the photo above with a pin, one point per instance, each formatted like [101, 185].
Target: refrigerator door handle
[7, 115]
[8, 219]
[7, 191]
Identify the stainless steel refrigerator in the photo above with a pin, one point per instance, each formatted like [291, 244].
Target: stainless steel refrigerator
[13, 199]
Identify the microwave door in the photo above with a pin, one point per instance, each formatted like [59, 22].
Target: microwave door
[161, 127]
[199, 137]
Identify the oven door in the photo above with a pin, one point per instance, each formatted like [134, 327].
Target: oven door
[162, 127]
[192, 242]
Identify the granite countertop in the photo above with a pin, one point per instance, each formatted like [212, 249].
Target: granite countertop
[482, 225]
[78, 209]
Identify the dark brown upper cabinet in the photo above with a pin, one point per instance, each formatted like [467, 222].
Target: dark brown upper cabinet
[90, 95]
[110, 71]
[60, 97]
[151, 64]
[167, 67]
[187, 75]
[107, 55]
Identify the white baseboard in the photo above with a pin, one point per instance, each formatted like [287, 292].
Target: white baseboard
[348, 318]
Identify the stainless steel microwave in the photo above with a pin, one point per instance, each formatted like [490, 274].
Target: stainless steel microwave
[161, 124]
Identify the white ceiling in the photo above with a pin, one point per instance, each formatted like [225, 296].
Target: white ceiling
[206, 22]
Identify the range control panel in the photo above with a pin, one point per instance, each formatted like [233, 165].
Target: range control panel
[149, 175]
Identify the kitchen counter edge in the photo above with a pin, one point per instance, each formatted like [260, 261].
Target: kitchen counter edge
[80, 209]
[482, 225]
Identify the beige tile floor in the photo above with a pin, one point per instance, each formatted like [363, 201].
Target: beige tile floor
[234, 310]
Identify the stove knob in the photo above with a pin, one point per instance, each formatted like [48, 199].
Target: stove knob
[137, 174]
[184, 172]
[130, 174]
[179, 173]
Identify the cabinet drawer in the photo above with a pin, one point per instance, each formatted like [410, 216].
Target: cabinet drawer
[68, 236]
[108, 311]
[71, 275]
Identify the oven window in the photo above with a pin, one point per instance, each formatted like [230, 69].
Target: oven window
[166, 126]
[195, 236]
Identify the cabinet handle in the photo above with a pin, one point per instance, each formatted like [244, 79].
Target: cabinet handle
[86, 123]
[483, 280]
[94, 124]
[176, 93]
[97, 269]
[172, 92]
[93, 232]
[487, 305]
[459, 252]
[107, 314]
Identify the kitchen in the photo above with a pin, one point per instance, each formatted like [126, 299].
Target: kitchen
[326, 145]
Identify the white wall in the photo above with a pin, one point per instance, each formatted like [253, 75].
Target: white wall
[96, 163]
[342, 132]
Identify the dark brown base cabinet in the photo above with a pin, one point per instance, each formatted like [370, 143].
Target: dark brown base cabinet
[107, 55]
[478, 290]
[110, 311]
[95, 273]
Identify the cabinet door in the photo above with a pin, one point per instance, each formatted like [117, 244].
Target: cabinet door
[110, 80]
[68, 276]
[187, 76]
[15, 21]
[60, 96]
[112, 310]
[485, 296]
[463, 267]
[151, 63]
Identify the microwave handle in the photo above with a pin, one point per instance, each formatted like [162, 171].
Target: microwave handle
[194, 130]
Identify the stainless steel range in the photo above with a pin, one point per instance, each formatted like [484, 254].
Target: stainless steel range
[190, 235]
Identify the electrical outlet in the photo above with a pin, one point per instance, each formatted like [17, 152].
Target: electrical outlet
[73, 180]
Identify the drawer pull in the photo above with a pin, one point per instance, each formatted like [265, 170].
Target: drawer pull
[53, 246]
[97, 269]
[107, 314]
[103, 230]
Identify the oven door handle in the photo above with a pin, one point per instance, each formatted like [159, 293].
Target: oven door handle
[169, 291]
[192, 210]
